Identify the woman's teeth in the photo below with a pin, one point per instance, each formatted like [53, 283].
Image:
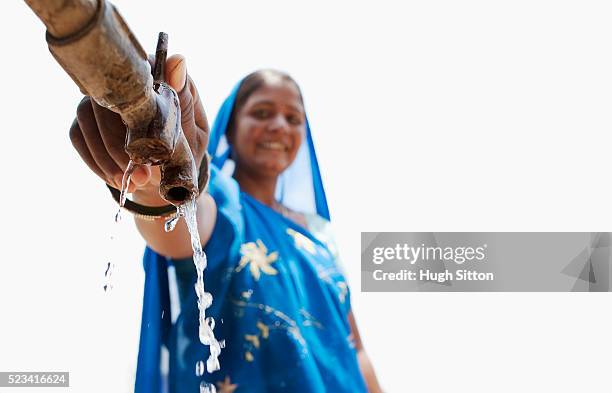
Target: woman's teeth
[273, 146]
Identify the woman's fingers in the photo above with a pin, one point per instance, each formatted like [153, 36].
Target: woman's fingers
[76, 137]
[93, 140]
[98, 135]
[113, 131]
[200, 122]
[176, 72]
[193, 117]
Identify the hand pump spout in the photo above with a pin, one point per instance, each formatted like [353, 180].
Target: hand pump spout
[94, 45]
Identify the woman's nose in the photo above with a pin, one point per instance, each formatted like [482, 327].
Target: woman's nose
[278, 124]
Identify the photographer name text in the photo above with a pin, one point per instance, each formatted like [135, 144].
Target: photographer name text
[428, 275]
[422, 254]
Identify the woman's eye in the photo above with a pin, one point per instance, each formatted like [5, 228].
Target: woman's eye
[261, 113]
[294, 120]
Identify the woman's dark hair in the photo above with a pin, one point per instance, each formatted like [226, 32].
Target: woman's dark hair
[250, 84]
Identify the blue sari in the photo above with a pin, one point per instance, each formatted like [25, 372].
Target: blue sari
[280, 301]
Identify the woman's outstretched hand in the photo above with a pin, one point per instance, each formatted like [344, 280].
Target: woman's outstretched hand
[98, 135]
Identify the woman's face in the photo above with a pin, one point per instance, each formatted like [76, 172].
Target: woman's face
[269, 129]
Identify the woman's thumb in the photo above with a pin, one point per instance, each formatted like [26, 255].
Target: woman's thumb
[176, 72]
[141, 175]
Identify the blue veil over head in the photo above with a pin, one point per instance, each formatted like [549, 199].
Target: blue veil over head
[299, 187]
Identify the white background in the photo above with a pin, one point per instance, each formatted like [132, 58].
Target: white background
[427, 115]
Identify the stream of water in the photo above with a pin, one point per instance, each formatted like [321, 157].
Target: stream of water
[207, 324]
[125, 182]
[188, 210]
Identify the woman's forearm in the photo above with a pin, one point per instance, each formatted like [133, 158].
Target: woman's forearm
[365, 365]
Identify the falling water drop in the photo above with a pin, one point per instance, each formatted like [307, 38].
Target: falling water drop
[199, 369]
[108, 285]
[171, 223]
[118, 215]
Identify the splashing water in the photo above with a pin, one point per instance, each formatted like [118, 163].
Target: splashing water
[207, 337]
[207, 324]
[206, 387]
[199, 371]
[125, 182]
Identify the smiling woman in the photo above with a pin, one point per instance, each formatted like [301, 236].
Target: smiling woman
[266, 130]
[279, 292]
[281, 302]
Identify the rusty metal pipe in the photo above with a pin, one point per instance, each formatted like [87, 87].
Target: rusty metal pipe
[179, 176]
[94, 45]
[102, 56]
